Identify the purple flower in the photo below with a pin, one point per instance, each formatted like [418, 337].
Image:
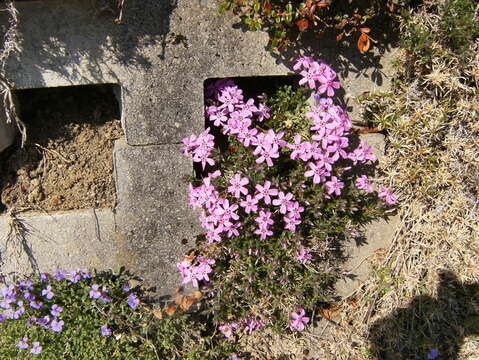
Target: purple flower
[23, 343]
[73, 276]
[237, 185]
[36, 348]
[268, 153]
[433, 354]
[283, 201]
[48, 292]
[250, 204]
[334, 186]
[45, 277]
[133, 300]
[43, 321]
[298, 319]
[227, 329]
[388, 195]
[303, 255]
[85, 274]
[56, 310]
[363, 183]
[265, 191]
[26, 285]
[126, 287]
[59, 274]
[29, 296]
[57, 325]
[105, 331]
[94, 292]
[36, 304]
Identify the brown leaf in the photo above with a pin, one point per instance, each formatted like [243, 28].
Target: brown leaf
[187, 302]
[267, 6]
[369, 130]
[171, 309]
[357, 16]
[322, 4]
[302, 24]
[331, 312]
[363, 43]
[365, 30]
[340, 37]
[158, 313]
[198, 294]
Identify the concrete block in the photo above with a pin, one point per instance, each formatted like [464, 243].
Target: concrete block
[70, 240]
[153, 217]
[7, 131]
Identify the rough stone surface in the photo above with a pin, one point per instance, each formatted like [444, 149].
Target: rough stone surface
[160, 56]
[153, 216]
[378, 234]
[70, 240]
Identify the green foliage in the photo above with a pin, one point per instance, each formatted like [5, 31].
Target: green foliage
[454, 27]
[284, 20]
[263, 278]
[135, 332]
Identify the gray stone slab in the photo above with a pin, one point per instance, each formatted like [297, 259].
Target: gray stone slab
[153, 218]
[379, 235]
[70, 240]
[160, 56]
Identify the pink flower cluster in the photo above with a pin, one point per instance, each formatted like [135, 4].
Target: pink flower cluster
[248, 324]
[194, 273]
[317, 72]
[220, 215]
[200, 147]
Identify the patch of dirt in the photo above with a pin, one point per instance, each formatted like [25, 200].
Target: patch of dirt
[67, 161]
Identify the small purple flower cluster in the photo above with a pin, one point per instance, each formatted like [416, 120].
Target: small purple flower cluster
[298, 319]
[248, 324]
[42, 299]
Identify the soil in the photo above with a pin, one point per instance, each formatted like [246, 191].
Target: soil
[67, 161]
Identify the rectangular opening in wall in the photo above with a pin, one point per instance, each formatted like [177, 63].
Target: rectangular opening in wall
[66, 162]
[259, 88]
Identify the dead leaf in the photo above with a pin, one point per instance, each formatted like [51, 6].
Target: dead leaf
[365, 30]
[198, 294]
[340, 37]
[363, 43]
[322, 4]
[158, 313]
[267, 6]
[331, 313]
[171, 309]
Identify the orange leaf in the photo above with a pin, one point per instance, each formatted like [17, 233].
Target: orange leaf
[187, 302]
[357, 16]
[363, 43]
[322, 4]
[302, 24]
[267, 6]
[158, 313]
[198, 294]
[331, 312]
[340, 37]
[365, 30]
[171, 309]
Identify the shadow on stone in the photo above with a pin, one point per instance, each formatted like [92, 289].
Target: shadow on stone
[429, 323]
[86, 30]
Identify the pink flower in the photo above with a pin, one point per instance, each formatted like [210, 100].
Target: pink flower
[250, 204]
[298, 320]
[227, 329]
[265, 191]
[237, 185]
[263, 232]
[318, 172]
[283, 201]
[334, 186]
[303, 255]
[362, 183]
[267, 153]
[388, 195]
